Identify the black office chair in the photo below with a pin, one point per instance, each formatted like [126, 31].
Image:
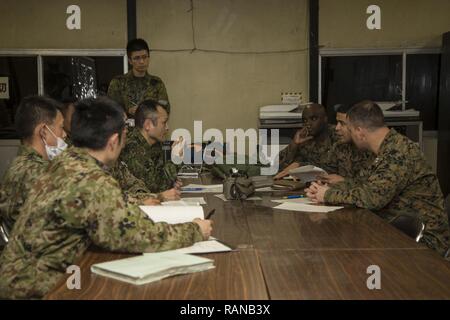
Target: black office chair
[410, 225]
[447, 206]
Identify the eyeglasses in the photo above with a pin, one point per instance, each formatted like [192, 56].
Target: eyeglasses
[138, 58]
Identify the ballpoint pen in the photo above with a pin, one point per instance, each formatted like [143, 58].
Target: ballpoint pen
[294, 197]
[209, 215]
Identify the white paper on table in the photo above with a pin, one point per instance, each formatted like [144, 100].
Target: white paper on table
[173, 214]
[199, 200]
[296, 200]
[205, 188]
[194, 201]
[222, 197]
[208, 246]
[179, 203]
[305, 207]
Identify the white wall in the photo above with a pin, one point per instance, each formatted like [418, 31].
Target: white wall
[222, 89]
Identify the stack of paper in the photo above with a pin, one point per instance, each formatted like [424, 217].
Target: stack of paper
[305, 207]
[194, 201]
[307, 173]
[173, 214]
[152, 267]
[208, 246]
[187, 175]
[179, 203]
[202, 188]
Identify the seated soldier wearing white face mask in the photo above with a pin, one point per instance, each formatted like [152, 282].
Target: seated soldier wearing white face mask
[39, 124]
[76, 203]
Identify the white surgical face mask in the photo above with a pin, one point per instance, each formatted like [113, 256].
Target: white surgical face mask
[53, 151]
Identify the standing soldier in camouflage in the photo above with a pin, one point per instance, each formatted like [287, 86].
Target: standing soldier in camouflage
[39, 124]
[399, 181]
[351, 162]
[75, 203]
[311, 144]
[137, 85]
[143, 153]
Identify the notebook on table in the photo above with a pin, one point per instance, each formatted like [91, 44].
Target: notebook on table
[173, 214]
[152, 267]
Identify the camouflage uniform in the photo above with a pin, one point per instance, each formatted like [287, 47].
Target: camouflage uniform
[73, 205]
[146, 162]
[2, 198]
[311, 152]
[17, 182]
[400, 182]
[2, 206]
[350, 162]
[129, 90]
[134, 188]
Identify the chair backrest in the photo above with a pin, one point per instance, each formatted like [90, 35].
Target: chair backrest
[410, 225]
[447, 206]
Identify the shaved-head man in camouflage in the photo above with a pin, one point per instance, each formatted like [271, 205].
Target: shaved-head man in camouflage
[76, 203]
[137, 85]
[399, 182]
[311, 144]
[39, 124]
[134, 188]
[143, 153]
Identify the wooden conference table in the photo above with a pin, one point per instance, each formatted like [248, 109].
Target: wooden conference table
[287, 255]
